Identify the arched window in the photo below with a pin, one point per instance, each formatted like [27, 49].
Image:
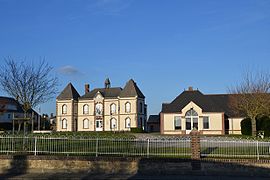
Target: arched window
[113, 123]
[64, 109]
[128, 107]
[64, 124]
[85, 124]
[191, 118]
[85, 109]
[99, 109]
[113, 108]
[127, 122]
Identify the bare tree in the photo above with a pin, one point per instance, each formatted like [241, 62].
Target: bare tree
[251, 97]
[31, 84]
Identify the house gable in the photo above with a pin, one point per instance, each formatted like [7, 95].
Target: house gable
[194, 106]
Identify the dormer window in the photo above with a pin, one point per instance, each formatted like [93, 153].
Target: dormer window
[64, 109]
[128, 107]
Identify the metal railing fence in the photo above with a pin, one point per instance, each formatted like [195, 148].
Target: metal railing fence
[235, 149]
[95, 146]
[161, 147]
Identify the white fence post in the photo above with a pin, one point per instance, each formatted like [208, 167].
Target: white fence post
[97, 147]
[35, 146]
[258, 154]
[148, 143]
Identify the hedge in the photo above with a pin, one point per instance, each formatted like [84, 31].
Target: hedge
[136, 130]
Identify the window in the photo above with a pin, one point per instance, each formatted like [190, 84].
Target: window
[113, 123]
[85, 124]
[113, 108]
[128, 107]
[195, 122]
[85, 109]
[64, 109]
[9, 116]
[141, 107]
[191, 119]
[188, 124]
[64, 124]
[99, 109]
[206, 122]
[127, 122]
[177, 122]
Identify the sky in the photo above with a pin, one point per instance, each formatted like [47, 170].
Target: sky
[164, 45]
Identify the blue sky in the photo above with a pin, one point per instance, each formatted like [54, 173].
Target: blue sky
[165, 46]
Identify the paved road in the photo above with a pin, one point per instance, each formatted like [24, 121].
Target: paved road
[84, 176]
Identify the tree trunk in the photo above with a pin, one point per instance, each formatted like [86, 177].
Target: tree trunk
[253, 127]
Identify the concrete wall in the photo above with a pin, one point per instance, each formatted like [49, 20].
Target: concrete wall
[133, 166]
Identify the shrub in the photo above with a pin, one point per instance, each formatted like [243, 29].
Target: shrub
[136, 130]
[246, 127]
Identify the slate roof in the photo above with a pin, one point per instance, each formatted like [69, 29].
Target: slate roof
[208, 103]
[153, 119]
[106, 92]
[68, 93]
[131, 89]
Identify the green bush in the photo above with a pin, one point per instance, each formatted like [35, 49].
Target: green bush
[136, 130]
[246, 127]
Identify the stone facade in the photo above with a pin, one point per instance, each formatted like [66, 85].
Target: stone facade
[103, 109]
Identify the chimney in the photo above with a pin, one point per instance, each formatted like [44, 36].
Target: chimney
[86, 88]
[190, 88]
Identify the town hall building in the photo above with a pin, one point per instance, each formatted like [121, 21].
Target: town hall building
[101, 109]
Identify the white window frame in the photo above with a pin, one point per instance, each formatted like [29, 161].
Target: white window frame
[101, 111]
[208, 122]
[127, 122]
[86, 123]
[64, 123]
[64, 109]
[126, 107]
[113, 124]
[85, 109]
[179, 118]
[113, 111]
[192, 117]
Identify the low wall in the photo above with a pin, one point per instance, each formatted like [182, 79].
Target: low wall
[132, 166]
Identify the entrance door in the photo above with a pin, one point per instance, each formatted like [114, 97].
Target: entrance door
[99, 125]
[191, 120]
